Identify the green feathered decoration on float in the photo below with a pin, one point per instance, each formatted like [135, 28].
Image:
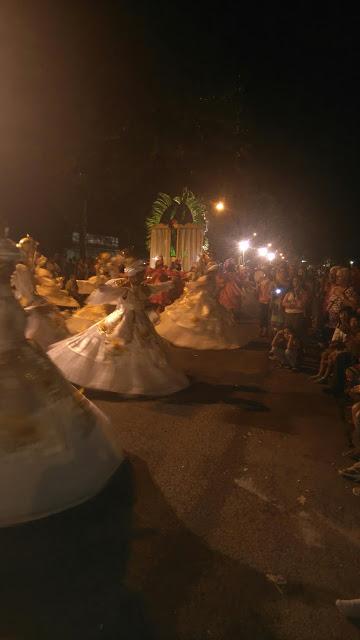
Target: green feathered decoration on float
[183, 208]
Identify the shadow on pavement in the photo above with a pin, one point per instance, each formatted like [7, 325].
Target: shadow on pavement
[204, 393]
[191, 590]
[197, 393]
[124, 566]
[110, 396]
[249, 388]
[255, 345]
[196, 592]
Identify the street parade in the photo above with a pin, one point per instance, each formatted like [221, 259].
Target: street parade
[179, 322]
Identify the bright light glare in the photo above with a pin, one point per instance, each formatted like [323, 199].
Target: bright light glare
[270, 256]
[351, 262]
[262, 252]
[269, 244]
[244, 245]
[220, 206]
[254, 234]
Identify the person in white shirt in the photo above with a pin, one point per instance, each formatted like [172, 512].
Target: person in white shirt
[294, 304]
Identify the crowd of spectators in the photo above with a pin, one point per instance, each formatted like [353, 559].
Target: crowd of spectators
[301, 307]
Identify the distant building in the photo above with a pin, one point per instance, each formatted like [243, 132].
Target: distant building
[94, 244]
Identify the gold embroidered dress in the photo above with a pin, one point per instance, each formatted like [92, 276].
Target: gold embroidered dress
[121, 353]
[197, 320]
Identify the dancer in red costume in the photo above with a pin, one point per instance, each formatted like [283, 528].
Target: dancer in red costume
[230, 288]
[157, 276]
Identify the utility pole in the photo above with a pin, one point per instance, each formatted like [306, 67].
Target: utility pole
[83, 216]
[83, 230]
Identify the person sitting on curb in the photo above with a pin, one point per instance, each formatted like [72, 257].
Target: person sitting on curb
[336, 345]
[285, 348]
[346, 359]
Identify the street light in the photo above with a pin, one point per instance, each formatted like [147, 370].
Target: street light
[269, 244]
[271, 256]
[254, 234]
[244, 245]
[220, 206]
[262, 252]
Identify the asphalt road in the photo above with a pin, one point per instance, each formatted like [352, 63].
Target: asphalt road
[225, 484]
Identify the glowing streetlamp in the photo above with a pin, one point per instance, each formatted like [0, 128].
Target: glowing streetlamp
[244, 245]
[271, 256]
[351, 262]
[220, 206]
[254, 234]
[262, 252]
[269, 244]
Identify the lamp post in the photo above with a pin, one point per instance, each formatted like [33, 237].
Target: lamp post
[262, 252]
[244, 245]
[220, 206]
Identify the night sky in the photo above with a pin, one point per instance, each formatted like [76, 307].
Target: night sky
[120, 100]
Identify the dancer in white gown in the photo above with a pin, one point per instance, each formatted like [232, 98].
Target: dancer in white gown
[49, 288]
[122, 353]
[102, 301]
[44, 322]
[99, 304]
[44, 283]
[106, 266]
[197, 320]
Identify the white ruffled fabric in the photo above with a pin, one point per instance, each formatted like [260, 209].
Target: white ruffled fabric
[44, 322]
[108, 293]
[85, 287]
[86, 317]
[198, 321]
[121, 354]
[45, 325]
[22, 281]
[349, 608]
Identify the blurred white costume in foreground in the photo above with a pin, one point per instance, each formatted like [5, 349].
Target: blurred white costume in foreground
[56, 448]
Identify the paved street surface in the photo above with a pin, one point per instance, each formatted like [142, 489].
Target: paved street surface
[226, 486]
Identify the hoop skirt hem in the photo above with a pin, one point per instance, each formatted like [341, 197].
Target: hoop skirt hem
[128, 359]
